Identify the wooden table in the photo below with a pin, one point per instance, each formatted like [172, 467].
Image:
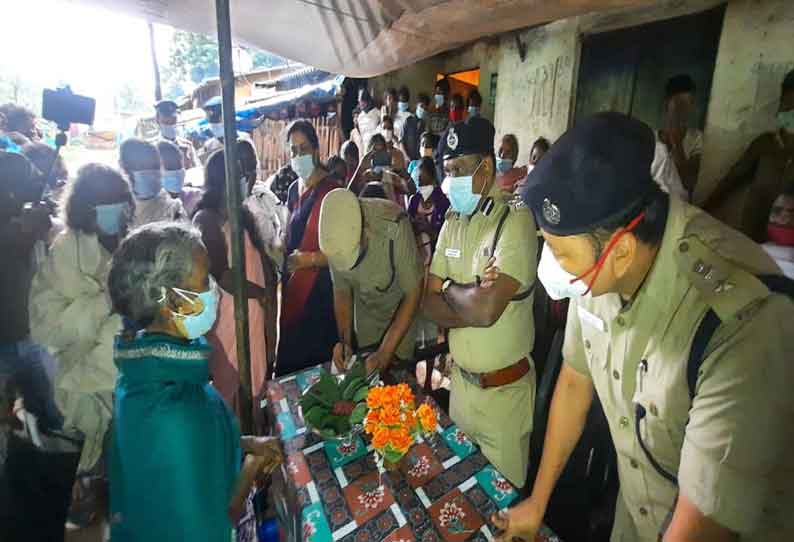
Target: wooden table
[443, 490]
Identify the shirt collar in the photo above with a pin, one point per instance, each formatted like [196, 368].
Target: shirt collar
[662, 286]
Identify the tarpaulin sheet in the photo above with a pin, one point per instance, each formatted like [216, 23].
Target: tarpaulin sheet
[360, 38]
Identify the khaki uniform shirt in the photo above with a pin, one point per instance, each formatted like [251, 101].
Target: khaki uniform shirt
[189, 158]
[462, 253]
[728, 446]
[379, 287]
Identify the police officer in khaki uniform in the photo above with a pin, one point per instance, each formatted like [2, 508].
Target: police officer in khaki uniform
[643, 271]
[213, 109]
[480, 288]
[377, 277]
[166, 121]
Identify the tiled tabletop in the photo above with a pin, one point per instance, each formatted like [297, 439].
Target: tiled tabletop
[444, 489]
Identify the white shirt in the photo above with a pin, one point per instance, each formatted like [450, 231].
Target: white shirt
[665, 173]
[368, 126]
[783, 256]
[399, 123]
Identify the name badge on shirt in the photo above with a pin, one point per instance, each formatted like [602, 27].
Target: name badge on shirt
[591, 319]
[452, 252]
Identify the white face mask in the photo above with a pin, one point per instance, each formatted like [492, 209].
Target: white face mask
[303, 165]
[557, 280]
[426, 191]
[388, 135]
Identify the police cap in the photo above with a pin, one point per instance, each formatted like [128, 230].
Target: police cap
[166, 108]
[599, 171]
[474, 136]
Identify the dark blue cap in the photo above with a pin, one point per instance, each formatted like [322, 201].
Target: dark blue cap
[474, 136]
[166, 107]
[213, 103]
[599, 171]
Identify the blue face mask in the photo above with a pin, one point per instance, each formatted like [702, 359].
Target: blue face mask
[168, 131]
[461, 197]
[402, 107]
[473, 111]
[785, 121]
[439, 98]
[109, 218]
[173, 180]
[303, 165]
[193, 326]
[503, 164]
[147, 184]
[420, 112]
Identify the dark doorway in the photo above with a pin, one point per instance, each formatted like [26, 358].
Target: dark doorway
[626, 70]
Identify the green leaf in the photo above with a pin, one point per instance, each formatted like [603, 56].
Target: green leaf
[328, 388]
[358, 370]
[342, 425]
[309, 400]
[391, 455]
[316, 416]
[361, 394]
[351, 387]
[325, 391]
[327, 433]
[358, 414]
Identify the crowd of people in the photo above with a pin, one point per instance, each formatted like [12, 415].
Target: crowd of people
[117, 322]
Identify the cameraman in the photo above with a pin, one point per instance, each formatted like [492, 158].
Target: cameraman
[23, 222]
[21, 120]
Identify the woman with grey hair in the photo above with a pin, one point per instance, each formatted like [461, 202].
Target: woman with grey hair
[70, 315]
[176, 447]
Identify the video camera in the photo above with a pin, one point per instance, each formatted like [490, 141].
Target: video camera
[64, 108]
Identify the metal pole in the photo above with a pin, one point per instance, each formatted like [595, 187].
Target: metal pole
[233, 202]
[158, 92]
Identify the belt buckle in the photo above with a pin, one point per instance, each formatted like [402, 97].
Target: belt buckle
[471, 378]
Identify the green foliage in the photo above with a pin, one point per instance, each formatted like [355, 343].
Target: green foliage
[194, 57]
[391, 455]
[359, 413]
[131, 99]
[19, 91]
[319, 400]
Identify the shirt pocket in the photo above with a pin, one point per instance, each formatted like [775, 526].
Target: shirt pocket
[666, 404]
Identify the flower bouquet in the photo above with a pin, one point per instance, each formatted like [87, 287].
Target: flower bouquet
[333, 406]
[394, 422]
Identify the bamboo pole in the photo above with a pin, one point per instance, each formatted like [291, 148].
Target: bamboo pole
[233, 201]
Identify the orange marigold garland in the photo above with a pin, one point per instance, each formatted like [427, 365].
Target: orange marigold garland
[394, 422]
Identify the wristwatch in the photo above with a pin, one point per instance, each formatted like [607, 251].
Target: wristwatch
[446, 284]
